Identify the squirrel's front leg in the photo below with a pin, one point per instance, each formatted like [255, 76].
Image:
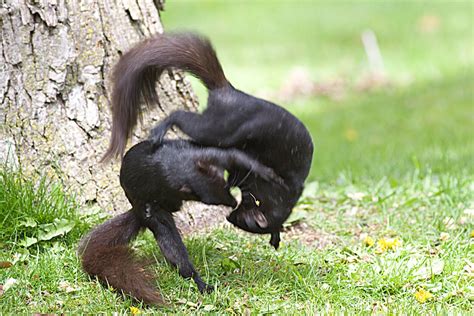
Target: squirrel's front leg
[162, 224]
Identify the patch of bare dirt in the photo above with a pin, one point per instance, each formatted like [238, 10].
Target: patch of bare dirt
[198, 218]
[371, 82]
[299, 84]
[309, 236]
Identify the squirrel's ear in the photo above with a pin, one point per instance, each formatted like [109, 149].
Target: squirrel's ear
[254, 216]
[208, 169]
[185, 189]
[259, 218]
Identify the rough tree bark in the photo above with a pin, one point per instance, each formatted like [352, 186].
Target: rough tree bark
[55, 62]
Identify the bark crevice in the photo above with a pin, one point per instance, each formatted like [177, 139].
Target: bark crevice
[55, 63]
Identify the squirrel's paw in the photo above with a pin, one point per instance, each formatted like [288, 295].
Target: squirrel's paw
[204, 288]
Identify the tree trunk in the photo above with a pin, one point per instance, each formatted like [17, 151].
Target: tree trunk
[55, 61]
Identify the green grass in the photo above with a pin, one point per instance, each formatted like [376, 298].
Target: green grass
[393, 163]
[28, 208]
[428, 126]
[346, 275]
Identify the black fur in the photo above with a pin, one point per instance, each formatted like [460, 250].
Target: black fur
[157, 181]
[265, 132]
[233, 119]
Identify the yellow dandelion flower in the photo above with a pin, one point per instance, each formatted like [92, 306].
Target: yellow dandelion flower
[422, 295]
[472, 234]
[388, 244]
[351, 134]
[369, 241]
[134, 310]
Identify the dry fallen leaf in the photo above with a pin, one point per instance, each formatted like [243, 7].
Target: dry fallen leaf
[356, 196]
[8, 284]
[469, 268]
[208, 308]
[444, 236]
[436, 267]
[469, 211]
[5, 264]
[67, 287]
[449, 223]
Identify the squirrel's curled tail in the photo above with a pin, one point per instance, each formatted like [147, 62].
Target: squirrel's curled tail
[106, 255]
[136, 73]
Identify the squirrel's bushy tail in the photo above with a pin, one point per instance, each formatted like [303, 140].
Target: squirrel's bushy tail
[136, 73]
[106, 255]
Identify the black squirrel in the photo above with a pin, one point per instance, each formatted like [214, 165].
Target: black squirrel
[156, 181]
[233, 119]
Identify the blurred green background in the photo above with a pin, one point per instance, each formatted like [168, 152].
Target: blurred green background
[416, 114]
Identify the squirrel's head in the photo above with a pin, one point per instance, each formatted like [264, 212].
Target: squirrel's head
[257, 221]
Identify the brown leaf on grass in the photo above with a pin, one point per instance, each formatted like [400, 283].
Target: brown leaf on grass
[67, 287]
[449, 223]
[444, 236]
[9, 283]
[469, 268]
[467, 217]
[1, 290]
[45, 293]
[191, 304]
[434, 268]
[469, 212]
[5, 264]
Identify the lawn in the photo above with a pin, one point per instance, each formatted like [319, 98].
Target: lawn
[386, 221]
